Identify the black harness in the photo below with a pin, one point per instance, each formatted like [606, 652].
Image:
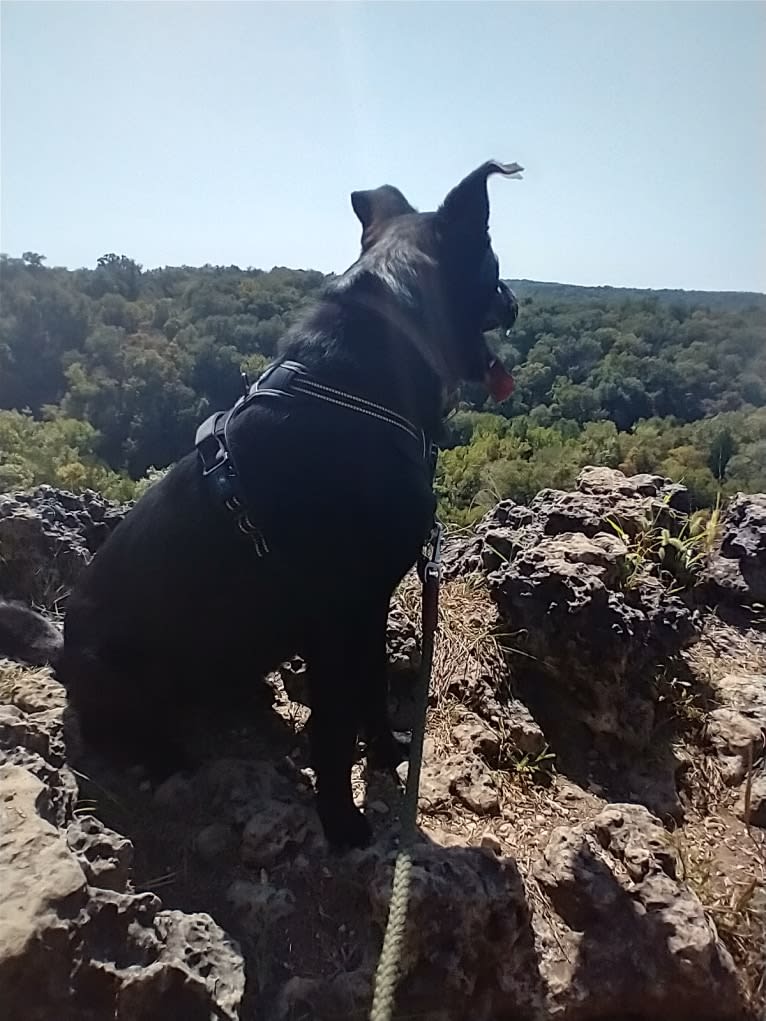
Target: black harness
[283, 380]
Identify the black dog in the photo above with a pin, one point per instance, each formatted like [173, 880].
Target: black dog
[178, 606]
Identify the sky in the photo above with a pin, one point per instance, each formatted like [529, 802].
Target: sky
[233, 133]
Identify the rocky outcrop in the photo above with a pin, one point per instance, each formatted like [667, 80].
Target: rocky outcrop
[613, 883]
[581, 595]
[594, 922]
[47, 536]
[736, 574]
[71, 929]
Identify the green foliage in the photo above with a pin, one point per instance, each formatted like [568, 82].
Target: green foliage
[59, 451]
[517, 458]
[675, 557]
[118, 365]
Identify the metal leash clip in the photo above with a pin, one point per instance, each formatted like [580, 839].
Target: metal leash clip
[429, 561]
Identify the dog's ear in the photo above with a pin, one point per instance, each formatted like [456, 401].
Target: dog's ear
[375, 208]
[466, 208]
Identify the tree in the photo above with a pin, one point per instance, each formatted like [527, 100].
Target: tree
[33, 259]
[722, 447]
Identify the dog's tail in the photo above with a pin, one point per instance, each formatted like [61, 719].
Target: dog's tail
[27, 636]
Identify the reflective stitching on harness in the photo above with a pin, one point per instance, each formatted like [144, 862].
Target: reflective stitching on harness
[299, 387]
[393, 416]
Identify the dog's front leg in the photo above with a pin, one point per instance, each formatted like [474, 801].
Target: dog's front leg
[334, 682]
[384, 751]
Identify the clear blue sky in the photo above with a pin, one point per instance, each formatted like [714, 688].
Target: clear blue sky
[233, 132]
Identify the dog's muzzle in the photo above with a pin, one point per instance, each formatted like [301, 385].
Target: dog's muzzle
[503, 313]
[503, 310]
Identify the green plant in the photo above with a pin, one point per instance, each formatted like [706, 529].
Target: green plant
[532, 763]
[676, 558]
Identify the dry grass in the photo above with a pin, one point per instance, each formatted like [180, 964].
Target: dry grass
[467, 644]
[724, 863]
[724, 648]
[15, 678]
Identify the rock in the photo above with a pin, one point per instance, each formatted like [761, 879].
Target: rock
[475, 737]
[39, 732]
[518, 735]
[260, 903]
[441, 837]
[41, 885]
[619, 874]
[464, 778]
[468, 923]
[276, 827]
[47, 536]
[32, 691]
[722, 581]
[59, 795]
[756, 816]
[744, 528]
[345, 995]
[240, 789]
[521, 733]
[613, 483]
[736, 574]
[402, 642]
[105, 857]
[176, 793]
[63, 941]
[199, 973]
[563, 595]
[214, 841]
[737, 729]
[461, 555]
[736, 740]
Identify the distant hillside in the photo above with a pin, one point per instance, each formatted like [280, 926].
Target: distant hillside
[106, 372]
[733, 301]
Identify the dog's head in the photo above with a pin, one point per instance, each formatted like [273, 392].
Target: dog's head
[439, 270]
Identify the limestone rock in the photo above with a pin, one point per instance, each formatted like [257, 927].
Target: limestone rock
[756, 815]
[47, 536]
[736, 574]
[271, 830]
[103, 953]
[737, 729]
[624, 922]
[105, 857]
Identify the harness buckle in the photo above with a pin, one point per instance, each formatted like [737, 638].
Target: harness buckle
[277, 379]
[212, 452]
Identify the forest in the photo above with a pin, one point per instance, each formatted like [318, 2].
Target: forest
[106, 372]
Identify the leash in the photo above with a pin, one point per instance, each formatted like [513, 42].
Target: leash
[387, 974]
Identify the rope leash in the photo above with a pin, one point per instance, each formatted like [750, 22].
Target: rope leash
[387, 974]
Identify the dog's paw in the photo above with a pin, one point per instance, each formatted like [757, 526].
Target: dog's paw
[386, 752]
[345, 829]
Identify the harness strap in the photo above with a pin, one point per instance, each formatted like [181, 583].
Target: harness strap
[286, 379]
